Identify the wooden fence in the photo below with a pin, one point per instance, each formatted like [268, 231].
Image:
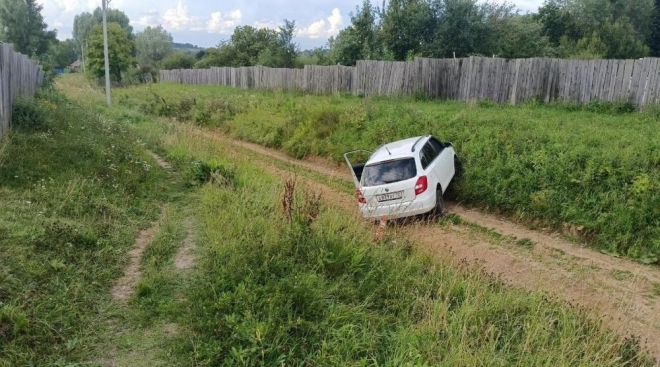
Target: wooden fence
[474, 78]
[19, 76]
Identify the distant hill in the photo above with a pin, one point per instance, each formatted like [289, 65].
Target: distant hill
[186, 47]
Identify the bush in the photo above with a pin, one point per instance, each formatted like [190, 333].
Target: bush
[28, 115]
[178, 60]
[140, 75]
[214, 173]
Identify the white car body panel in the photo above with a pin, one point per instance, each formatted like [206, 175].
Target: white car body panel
[439, 172]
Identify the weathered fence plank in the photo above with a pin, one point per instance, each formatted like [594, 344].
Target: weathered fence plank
[467, 79]
[19, 77]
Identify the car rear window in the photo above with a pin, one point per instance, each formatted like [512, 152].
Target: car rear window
[389, 172]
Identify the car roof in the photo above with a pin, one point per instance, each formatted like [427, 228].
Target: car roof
[398, 149]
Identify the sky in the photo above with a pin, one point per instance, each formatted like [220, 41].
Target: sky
[206, 22]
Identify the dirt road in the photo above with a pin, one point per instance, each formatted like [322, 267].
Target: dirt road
[623, 294]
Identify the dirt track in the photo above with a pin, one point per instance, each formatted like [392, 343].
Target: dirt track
[622, 293]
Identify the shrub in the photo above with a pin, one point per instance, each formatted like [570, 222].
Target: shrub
[28, 115]
[177, 60]
[214, 173]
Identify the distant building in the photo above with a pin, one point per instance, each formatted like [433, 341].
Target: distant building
[76, 65]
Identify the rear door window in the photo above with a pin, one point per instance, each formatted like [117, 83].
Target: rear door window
[438, 146]
[389, 172]
[427, 155]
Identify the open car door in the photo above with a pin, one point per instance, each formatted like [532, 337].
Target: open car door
[356, 160]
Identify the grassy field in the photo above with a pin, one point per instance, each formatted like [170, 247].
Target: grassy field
[75, 187]
[592, 171]
[276, 287]
[273, 284]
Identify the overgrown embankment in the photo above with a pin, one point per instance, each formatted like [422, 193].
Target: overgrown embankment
[75, 188]
[283, 278]
[592, 171]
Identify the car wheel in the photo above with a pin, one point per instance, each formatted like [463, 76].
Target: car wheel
[439, 209]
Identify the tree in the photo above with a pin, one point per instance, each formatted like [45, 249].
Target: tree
[249, 42]
[464, 27]
[654, 34]
[286, 49]
[64, 53]
[522, 37]
[178, 60]
[407, 25]
[360, 40]
[84, 22]
[22, 25]
[623, 26]
[249, 46]
[558, 21]
[152, 45]
[119, 46]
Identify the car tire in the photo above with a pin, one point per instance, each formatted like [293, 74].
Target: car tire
[439, 209]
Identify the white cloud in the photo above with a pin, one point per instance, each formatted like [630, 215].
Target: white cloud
[220, 23]
[324, 27]
[60, 6]
[178, 19]
[265, 24]
[148, 19]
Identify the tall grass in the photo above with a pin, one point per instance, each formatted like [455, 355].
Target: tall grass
[594, 168]
[285, 280]
[74, 189]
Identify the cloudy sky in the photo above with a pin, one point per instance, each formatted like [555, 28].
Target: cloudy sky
[207, 22]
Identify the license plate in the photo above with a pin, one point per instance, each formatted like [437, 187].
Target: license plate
[390, 196]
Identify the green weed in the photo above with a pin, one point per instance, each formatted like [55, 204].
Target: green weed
[525, 242]
[213, 172]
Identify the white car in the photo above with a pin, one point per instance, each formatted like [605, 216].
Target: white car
[404, 178]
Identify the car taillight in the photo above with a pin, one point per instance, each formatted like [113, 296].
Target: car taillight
[421, 185]
[361, 198]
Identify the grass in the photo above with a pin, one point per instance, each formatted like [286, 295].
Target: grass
[593, 167]
[273, 290]
[75, 188]
[525, 242]
[282, 278]
[621, 274]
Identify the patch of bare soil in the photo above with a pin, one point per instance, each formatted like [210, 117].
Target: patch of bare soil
[161, 162]
[185, 257]
[620, 292]
[125, 286]
[170, 330]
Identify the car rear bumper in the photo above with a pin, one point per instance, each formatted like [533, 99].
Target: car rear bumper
[421, 205]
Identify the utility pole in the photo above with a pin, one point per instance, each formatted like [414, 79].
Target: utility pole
[82, 56]
[105, 51]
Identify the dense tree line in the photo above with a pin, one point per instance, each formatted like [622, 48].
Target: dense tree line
[402, 29]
